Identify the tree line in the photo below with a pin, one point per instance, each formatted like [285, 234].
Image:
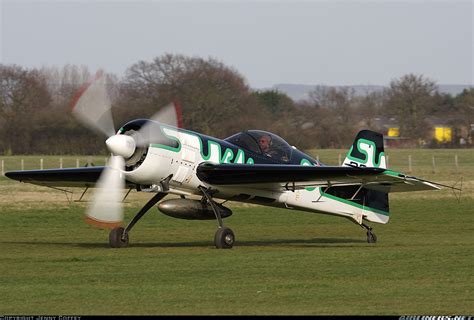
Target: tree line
[35, 106]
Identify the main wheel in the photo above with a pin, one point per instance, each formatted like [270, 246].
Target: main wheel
[371, 237]
[116, 240]
[224, 238]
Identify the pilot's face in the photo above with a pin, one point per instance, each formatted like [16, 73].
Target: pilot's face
[264, 143]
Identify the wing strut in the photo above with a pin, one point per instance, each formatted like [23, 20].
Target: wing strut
[358, 190]
[123, 200]
[329, 185]
[457, 195]
[59, 189]
[82, 195]
[291, 188]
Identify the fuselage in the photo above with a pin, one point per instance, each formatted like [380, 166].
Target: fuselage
[179, 152]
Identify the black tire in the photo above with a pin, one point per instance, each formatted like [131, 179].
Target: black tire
[371, 237]
[115, 238]
[224, 238]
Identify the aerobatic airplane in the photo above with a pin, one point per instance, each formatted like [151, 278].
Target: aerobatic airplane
[252, 166]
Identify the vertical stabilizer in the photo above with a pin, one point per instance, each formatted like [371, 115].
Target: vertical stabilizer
[366, 151]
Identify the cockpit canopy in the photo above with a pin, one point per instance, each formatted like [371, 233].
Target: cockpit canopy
[264, 143]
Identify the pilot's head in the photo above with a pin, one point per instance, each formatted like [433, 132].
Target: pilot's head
[265, 142]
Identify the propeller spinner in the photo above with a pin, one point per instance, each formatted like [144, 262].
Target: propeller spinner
[121, 145]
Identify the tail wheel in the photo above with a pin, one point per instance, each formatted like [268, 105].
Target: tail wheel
[371, 237]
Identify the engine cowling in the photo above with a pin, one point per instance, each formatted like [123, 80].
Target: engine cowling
[191, 209]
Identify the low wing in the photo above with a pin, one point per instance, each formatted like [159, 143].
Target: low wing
[292, 177]
[67, 177]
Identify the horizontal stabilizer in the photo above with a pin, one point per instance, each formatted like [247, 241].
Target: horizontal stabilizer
[293, 177]
[402, 184]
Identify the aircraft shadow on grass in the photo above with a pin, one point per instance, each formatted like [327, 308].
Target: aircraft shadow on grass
[316, 242]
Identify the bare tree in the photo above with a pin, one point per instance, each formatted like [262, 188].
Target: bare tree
[409, 100]
[211, 94]
[334, 112]
[464, 116]
[23, 96]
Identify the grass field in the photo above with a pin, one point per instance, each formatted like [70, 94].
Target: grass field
[284, 262]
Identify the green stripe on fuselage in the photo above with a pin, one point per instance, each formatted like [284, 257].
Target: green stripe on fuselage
[227, 156]
[351, 203]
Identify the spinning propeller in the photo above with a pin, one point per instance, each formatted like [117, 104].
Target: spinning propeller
[92, 107]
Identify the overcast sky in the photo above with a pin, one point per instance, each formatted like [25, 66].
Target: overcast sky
[268, 42]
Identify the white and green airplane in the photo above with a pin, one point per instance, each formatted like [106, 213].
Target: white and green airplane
[252, 166]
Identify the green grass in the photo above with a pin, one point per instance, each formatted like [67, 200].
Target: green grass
[283, 262]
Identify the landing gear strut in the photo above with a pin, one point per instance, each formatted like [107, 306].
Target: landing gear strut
[224, 237]
[118, 237]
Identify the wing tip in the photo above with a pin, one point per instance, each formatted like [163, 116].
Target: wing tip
[11, 174]
[16, 175]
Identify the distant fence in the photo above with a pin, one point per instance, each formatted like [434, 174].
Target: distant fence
[49, 162]
[409, 162]
[420, 162]
[404, 161]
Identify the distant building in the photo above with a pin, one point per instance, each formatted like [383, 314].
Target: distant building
[443, 134]
[393, 132]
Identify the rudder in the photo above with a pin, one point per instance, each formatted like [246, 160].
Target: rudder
[366, 151]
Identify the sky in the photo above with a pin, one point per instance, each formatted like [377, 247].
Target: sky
[268, 42]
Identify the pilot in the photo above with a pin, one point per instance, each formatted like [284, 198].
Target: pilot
[265, 143]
